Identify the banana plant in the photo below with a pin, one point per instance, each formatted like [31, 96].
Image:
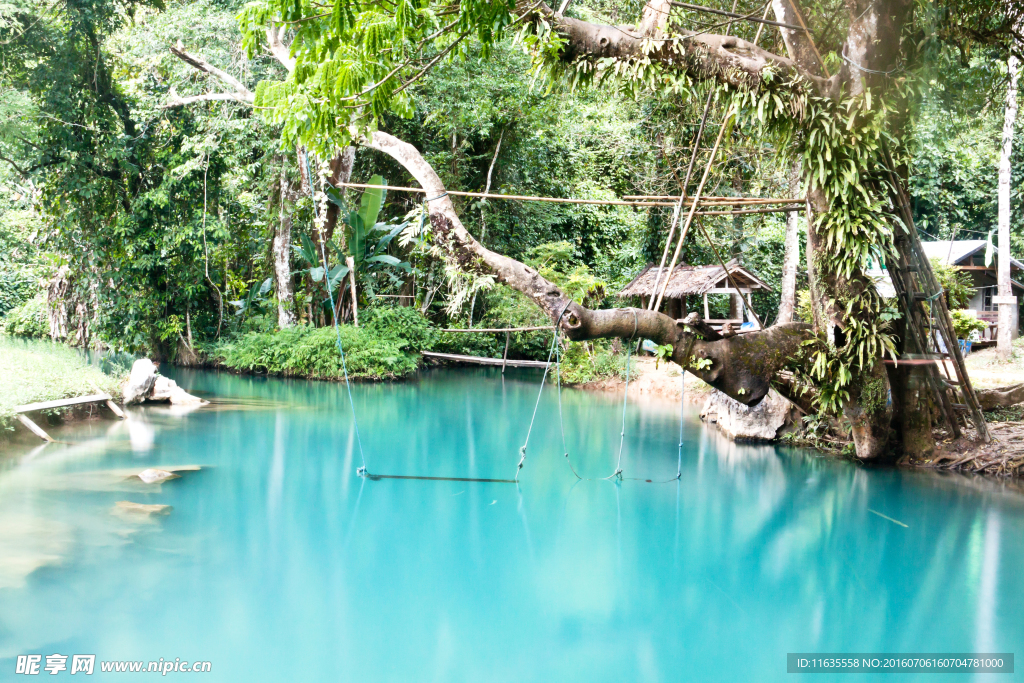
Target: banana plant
[306, 251]
[361, 227]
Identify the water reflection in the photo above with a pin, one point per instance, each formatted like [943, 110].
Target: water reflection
[281, 561]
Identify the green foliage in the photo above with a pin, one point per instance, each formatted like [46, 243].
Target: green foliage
[386, 347]
[804, 311]
[663, 352]
[584, 362]
[966, 322]
[27, 320]
[35, 371]
[350, 62]
[956, 283]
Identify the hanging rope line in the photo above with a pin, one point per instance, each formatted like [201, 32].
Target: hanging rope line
[554, 344]
[337, 332]
[682, 409]
[377, 477]
[561, 422]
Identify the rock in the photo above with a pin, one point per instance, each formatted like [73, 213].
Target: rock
[152, 476]
[742, 423]
[140, 381]
[127, 507]
[165, 389]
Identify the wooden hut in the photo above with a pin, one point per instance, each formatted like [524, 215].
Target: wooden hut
[696, 281]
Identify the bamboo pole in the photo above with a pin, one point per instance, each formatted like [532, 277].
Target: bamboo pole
[350, 262]
[682, 196]
[693, 208]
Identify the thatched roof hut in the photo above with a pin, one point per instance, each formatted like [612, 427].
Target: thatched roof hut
[693, 280]
[690, 280]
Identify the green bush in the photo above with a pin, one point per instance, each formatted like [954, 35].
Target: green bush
[955, 283]
[27, 320]
[386, 346]
[16, 286]
[584, 362]
[965, 322]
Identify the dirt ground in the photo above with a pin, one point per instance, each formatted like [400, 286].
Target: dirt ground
[987, 371]
[656, 380]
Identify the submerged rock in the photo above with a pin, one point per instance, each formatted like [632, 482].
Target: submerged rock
[140, 381]
[152, 476]
[165, 389]
[127, 507]
[761, 422]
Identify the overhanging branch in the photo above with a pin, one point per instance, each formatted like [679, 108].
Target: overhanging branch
[741, 366]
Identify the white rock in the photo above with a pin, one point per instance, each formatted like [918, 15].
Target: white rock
[140, 381]
[152, 476]
[165, 389]
[737, 421]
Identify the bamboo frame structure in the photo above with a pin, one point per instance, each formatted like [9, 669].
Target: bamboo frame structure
[710, 201]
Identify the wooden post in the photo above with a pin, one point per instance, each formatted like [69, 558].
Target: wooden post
[352, 282]
[706, 314]
[34, 428]
[504, 358]
[114, 409]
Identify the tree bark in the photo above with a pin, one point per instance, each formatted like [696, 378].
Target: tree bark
[791, 260]
[1005, 333]
[282, 251]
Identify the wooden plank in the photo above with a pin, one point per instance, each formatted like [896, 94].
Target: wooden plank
[114, 409]
[34, 428]
[46, 405]
[485, 361]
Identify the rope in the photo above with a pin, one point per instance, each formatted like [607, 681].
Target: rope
[625, 397]
[337, 333]
[682, 407]
[561, 421]
[547, 368]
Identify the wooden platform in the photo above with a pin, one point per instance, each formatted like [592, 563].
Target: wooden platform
[61, 403]
[478, 360]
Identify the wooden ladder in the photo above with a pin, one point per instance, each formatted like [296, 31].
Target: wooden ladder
[915, 284]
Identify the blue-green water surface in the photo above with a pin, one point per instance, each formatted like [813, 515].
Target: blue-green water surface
[279, 563]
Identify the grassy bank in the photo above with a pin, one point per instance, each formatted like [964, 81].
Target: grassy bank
[32, 371]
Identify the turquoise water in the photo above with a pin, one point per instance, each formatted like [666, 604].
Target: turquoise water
[278, 563]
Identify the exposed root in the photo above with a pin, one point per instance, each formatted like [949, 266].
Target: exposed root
[1004, 457]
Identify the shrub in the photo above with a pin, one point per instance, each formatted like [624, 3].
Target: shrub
[584, 362]
[386, 346]
[966, 322]
[955, 283]
[27, 320]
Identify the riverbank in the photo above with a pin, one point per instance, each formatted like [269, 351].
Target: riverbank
[32, 371]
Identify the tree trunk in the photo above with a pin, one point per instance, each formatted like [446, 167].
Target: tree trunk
[282, 249]
[791, 261]
[341, 173]
[1006, 310]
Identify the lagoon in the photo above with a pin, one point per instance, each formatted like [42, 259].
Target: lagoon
[277, 562]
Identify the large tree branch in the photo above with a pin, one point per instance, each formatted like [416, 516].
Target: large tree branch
[279, 49]
[240, 92]
[178, 101]
[197, 62]
[725, 58]
[741, 366]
